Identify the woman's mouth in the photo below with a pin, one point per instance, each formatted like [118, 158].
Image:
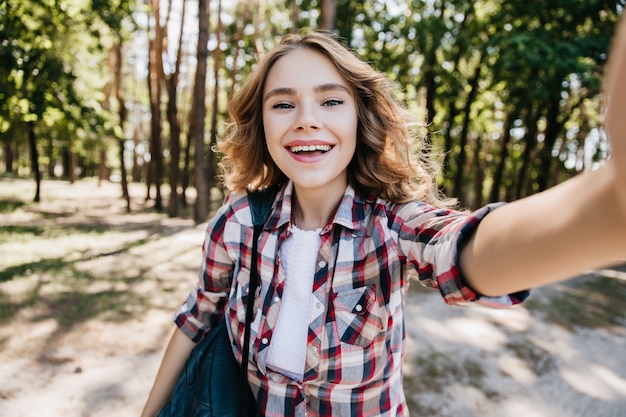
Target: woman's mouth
[300, 149]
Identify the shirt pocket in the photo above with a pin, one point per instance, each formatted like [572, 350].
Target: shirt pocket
[357, 315]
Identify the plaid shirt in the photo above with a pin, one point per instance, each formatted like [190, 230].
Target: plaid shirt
[356, 332]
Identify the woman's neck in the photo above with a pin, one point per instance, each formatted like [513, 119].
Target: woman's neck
[313, 209]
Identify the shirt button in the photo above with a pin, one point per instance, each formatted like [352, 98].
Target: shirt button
[276, 299]
[322, 264]
[313, 349]
[265, 340]
[358, 307]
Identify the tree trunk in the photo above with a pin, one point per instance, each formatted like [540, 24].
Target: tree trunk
[504, 154]
[530, 142]
[479, 177]
[198, 110]
[137, 168]
[102, 158]
[294, 16]
[211, 171]
[155, 67]
[172, 118]
[8, 152]
[327, 16]
[123, 115]
[186, 163]
[34, 159]
[245, 18]
[260, 14]
[553, 127]
[458, 183]
[430, 84]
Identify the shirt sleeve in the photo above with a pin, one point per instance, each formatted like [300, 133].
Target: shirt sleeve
[206, 301]
[441, 233]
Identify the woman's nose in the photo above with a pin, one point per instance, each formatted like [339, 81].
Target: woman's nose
[307, 119]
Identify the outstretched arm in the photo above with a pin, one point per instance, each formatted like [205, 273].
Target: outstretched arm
[576, 226]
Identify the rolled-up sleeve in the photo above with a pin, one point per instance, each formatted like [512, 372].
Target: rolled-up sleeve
[207, 299]
[441, 234]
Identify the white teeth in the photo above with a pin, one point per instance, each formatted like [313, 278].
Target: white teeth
[310, 148]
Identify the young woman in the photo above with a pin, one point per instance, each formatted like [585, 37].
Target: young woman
[357, 215]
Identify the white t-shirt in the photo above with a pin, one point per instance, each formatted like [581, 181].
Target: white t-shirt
[287, 350]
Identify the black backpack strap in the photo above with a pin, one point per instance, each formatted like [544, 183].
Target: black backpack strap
[261, 202]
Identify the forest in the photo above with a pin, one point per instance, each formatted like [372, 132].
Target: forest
[137, 91]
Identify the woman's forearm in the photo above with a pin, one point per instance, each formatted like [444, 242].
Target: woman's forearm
[174, 359]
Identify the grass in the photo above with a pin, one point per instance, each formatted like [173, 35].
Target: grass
[10, 205]
[538, 359]
[593, 303]
[435, 372]
[60, 286]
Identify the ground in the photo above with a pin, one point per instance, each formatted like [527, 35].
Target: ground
[87, 292]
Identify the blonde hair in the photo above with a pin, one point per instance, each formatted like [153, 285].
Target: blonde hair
[390, 160]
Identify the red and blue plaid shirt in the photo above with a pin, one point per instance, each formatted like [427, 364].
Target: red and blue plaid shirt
[356, 334]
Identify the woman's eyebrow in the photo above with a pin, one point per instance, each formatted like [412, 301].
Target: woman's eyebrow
[278, 92]
[318, 89]
[332, 86]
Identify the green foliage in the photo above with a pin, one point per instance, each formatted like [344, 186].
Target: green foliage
[511, 89]
[54, 74]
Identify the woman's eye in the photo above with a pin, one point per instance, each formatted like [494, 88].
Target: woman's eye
[282, 105]
[333, 102]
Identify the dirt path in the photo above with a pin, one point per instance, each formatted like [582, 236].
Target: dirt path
[86, 295]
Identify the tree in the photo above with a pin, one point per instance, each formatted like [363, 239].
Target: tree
[155, 78]
[173, 120]
[39, 92]
[198, 110]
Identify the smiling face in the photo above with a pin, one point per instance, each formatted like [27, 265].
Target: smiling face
[310, 121]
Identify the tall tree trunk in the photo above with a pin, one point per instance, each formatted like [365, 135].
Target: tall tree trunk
[72, 171]
[430, 84]
[174, 123]
[327, 16]
[155, 67]
[553, 127]
[198, 110]
[258, 16]
[294, 16]
[34, 159]
[461, 158]
[479, 176]
[137, 168]
[122, 115]
[217, 58]
[530, 142]
[211, 171]
[245, 18]
[8, 152]
[186, 164]
[498, 174]
[102, 158]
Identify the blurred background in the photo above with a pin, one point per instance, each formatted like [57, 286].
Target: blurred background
[109, 110]
[136, 91]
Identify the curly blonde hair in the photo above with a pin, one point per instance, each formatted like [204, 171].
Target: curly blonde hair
[390, 160]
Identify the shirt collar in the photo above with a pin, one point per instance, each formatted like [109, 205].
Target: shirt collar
[351, 212]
